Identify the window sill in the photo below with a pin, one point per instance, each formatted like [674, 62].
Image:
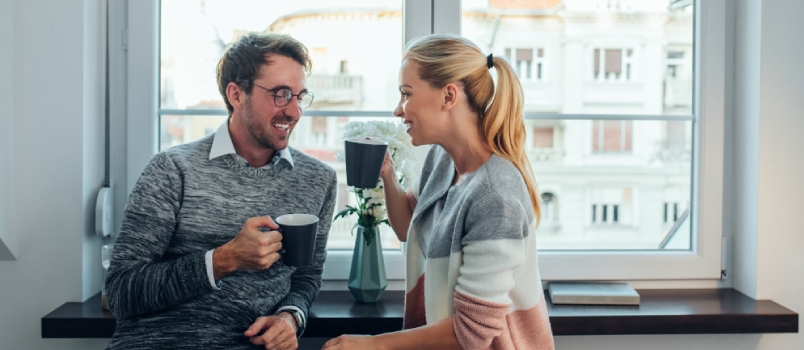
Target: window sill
[663, 311]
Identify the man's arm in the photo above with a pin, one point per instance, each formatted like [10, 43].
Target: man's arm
[306, 281]
[138, 281]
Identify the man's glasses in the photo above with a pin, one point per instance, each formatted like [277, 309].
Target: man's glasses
[282, 96]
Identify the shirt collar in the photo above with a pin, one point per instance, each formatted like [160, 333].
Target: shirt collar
[222, 145]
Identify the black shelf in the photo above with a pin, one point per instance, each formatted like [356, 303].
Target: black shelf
[662, 311]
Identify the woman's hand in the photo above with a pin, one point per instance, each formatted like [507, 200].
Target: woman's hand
[347, 342]
[387, 170]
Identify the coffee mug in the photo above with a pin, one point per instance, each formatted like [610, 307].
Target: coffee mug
[298, 238]
[364, 158]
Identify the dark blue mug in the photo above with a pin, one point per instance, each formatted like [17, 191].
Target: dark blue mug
[364, 158]
[298, 238]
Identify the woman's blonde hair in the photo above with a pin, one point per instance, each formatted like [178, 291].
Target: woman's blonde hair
[446, 58]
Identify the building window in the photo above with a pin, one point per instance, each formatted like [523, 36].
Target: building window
[675, 204]
[612, 206]
[613, 64]
[549, 215]
[543, 137]
[528, 67]
[611, 135]
[675, 63]
[670, 212]
[678, 79]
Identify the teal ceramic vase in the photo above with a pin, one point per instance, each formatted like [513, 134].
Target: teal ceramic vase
[367, 278]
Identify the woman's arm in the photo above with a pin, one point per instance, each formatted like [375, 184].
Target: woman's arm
[440, 335]
[396, 200]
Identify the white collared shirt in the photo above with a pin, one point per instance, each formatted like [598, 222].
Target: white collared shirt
[222, 145]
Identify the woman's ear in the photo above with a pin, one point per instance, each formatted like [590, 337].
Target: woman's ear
[451, 93]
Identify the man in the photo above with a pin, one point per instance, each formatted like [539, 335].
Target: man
[197, 263]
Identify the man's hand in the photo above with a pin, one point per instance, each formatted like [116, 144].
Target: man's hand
[251, 249]
[279, 332]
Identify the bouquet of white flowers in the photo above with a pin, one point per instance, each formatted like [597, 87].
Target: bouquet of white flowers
[370, 207]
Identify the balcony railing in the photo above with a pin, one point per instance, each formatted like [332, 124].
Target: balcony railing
[336, 89]
[546, 155]
[677, 93]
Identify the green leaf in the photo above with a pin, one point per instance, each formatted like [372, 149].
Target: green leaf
[344, 212]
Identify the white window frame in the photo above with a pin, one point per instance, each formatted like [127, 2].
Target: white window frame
[703, 261]
[135, 127]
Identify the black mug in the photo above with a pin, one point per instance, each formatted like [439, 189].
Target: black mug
[364, 158]
[298, 238]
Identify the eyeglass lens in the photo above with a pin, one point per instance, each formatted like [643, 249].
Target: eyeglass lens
[282, 98]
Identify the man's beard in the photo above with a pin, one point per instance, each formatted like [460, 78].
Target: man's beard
[257, 131]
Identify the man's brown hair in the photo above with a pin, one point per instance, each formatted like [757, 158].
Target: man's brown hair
[242, 60]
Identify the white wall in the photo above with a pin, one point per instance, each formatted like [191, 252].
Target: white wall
[781, 163]
[7, 236]
[57, 162]
[748, 26]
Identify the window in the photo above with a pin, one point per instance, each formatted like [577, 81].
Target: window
[543, 137]
[633, 109]
[613, 127]
[612, 206]
[678, 75]
[528, 67]
[548, 201]
[612, 64]
[611, 135]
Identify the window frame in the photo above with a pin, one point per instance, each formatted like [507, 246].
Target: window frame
[140, 86]
[703, 261]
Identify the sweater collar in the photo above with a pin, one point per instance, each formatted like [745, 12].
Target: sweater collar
[439, 183]
[222, 145]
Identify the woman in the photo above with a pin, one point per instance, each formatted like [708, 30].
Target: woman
[472, 277]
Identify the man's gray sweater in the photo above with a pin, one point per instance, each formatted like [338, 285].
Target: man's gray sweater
[185, 204]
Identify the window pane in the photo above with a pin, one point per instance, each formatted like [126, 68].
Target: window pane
[601, 57]
[632, 200]
[612, 135]
[613, 62]
[524, 55]
[355, 46]
[180, 129]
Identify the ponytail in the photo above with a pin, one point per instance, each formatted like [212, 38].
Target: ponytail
[503, 127]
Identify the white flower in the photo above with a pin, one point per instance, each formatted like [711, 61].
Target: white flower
[378, 211]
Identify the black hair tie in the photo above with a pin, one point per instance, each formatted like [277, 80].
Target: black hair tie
[490, 61]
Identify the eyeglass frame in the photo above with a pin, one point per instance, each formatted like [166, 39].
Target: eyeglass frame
[275, 90]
